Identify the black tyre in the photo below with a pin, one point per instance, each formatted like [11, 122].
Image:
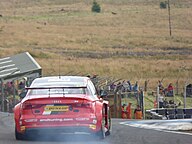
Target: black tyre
[108, 132]
[101, 133]
[18, 136]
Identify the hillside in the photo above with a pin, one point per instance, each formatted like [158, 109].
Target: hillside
[129, 39]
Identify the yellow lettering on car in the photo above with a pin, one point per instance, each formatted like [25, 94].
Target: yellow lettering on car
[57, 108]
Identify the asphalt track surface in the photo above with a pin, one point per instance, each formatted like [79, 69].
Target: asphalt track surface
[121, 134]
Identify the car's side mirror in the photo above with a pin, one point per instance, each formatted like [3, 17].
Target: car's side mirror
[103, 93]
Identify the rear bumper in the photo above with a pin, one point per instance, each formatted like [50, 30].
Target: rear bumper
[60, 130]
[58, 124]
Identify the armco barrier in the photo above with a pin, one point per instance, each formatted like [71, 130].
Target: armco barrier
[169, 113]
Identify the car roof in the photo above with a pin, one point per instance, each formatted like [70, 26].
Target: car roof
[60, 81]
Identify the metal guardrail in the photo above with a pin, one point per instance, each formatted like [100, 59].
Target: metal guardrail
[169, 114]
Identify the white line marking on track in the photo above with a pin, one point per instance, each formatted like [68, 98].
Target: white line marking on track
[144, 126]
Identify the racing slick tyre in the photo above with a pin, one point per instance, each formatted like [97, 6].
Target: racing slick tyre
[108, 132]
[18, 135]
[101, 133]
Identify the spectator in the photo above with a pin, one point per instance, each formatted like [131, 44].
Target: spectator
[112, 86]
[165, 103]
[129, 112]
[170, 87]
[21, 85]
[161, 101]
[130, 86]
[118, 87]
[136, 90]
[160, 85]
[141, 98]
[138, 113]
[136, 87]
[170, 90]
[122, 87]
[123, 111]
[125, 86]
[161, 88]
[94, 79]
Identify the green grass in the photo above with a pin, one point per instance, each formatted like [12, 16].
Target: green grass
[132, 44]
[149, 101]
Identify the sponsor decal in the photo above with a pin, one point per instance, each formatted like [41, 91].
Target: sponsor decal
[57, 108]
[51, 120]
[59, 80]
[22, 128]
[30, 120]
[57, 101]
[93, 116]
[82, 119]
[56, 120]
[68, 119]
[92, 126]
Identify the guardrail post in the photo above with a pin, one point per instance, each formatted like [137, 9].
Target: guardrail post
[157, 98]
[177, 87]
[115, 104]
[185, 95]
[14, 93]
[2, 96]
[143, 105]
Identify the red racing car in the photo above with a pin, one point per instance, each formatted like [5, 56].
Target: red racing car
[62, 104]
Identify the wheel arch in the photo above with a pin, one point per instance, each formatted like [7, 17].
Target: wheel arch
[17, 115]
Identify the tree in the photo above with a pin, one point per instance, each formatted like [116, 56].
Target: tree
[96, 7]
[163, 5]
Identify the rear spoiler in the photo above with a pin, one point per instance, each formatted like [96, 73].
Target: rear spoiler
[49, 88]
[32, 88]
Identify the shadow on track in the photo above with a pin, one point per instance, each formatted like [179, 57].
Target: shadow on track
[77, 138]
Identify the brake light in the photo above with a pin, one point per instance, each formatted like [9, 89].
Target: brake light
[90, 105]
[84, 105]
[26, 106]
[87, 105]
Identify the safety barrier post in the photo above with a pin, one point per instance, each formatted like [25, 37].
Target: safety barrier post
[143, 106]
[2, 96]
[14, 93]
[185, 94]
[177, 87]
[157, 98]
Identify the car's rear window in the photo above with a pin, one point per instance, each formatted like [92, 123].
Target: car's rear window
[59, 91]
[59, 82]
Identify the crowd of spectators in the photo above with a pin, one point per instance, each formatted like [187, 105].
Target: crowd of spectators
[128, 90]
[124, 86]
[11, 92]
[165, 92]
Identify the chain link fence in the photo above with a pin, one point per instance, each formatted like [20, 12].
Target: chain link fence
[120, 93]
[10, 93]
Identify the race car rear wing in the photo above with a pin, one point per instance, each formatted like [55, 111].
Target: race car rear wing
[57, 91]
[63, 87]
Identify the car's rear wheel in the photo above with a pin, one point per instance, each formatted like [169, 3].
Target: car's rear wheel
[108, 132]
[19, 136]
[101, 133]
